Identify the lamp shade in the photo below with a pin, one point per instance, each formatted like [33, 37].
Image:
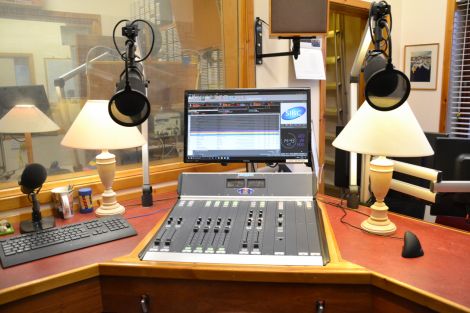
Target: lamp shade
[94, 129]
[394, 133]
[26, 118]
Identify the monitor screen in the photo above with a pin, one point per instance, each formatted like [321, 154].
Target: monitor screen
[247, 125]
[452, 157]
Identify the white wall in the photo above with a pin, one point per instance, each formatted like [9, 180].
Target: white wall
[279, 71]
[41, 39]
[414, 22]
[420, 22]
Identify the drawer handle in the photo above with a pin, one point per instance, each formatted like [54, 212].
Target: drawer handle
[144, 303]
[320, 306]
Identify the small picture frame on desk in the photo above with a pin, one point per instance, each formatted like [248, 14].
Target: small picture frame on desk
[421, 65]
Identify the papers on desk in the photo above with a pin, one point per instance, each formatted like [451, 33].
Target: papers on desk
[309, 64]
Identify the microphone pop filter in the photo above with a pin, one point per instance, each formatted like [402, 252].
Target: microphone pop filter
[33, 176]
[129, 106]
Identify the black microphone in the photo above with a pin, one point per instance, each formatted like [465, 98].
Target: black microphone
[32, 178]
[385, 87]
[129, 106]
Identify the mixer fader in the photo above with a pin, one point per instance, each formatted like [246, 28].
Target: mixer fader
[240, 224]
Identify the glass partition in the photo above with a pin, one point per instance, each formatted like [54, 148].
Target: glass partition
[65, 49]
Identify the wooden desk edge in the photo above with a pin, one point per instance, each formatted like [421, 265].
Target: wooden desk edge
[48, 283]
[416, 295]
[338, 271]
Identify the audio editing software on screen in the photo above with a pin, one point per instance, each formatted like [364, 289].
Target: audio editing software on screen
[263, 125]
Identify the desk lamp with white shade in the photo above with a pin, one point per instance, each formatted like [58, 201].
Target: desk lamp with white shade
[94, 129]
[394, 133]
[26, 119]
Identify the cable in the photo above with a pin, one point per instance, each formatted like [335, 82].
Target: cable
[148, 214]
[122, 54]
[157, 200]
[388, 40]
[345, 213]
[153, 39]
[14, 138]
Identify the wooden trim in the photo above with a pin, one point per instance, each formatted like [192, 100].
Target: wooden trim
[351, 7]
[333, 248]
[30, 57]
[32, 13]
[230, 40]
[446, 64]
[356, 8]
[414, 294]
[246, 41]
[45, 284]
[13, 198]
[322, 121]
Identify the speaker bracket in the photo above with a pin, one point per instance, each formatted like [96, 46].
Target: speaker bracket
[259, 44]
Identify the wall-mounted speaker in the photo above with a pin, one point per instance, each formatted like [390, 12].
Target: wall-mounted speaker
[304, 18]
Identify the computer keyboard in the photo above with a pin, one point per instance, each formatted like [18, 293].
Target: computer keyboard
[41, 244]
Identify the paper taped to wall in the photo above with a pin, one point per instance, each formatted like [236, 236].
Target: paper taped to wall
[310, 64]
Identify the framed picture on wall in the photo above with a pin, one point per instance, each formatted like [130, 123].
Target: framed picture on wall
[421, 62]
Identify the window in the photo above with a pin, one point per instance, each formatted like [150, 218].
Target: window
[197, 47]
[458, 110]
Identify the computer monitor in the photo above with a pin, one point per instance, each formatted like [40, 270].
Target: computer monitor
[247, 125]
[452, 157]
[13, 95]
[405, 204]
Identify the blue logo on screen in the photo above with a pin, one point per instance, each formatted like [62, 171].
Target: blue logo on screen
[293, 113]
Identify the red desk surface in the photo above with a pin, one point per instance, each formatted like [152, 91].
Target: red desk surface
[142, 219]
[443, 270]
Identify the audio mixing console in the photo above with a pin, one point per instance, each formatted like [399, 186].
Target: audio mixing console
[247, 218]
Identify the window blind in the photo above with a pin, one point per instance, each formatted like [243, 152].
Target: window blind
[458, 117]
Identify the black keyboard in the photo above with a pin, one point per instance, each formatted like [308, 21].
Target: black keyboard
[41, 244]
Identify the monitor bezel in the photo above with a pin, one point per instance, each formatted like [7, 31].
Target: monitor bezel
[447, 150]
[252, 159]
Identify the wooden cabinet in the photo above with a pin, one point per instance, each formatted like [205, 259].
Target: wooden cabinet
[80, 297]
[123, 294]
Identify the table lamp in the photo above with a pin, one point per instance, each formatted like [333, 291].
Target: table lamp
[394, 133]
[26, 119]
[94, 129]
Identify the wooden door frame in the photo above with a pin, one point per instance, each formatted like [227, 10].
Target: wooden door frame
[449, 29]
